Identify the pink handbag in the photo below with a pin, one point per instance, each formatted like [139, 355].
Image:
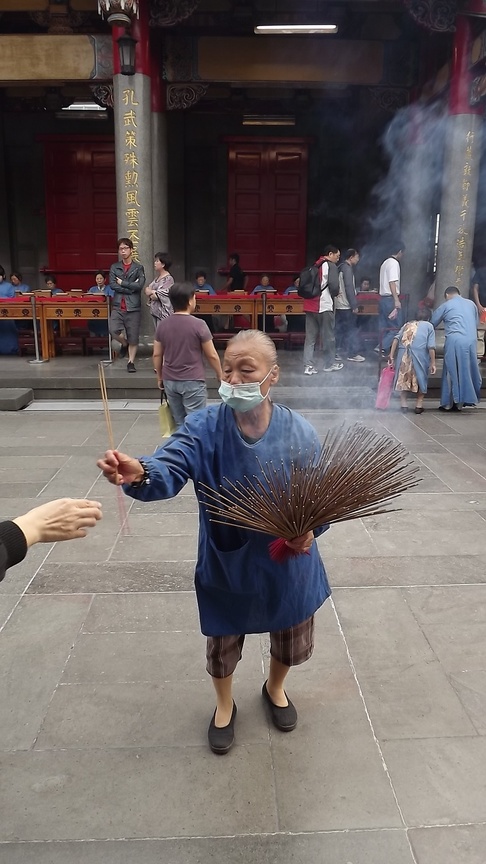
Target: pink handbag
[385, 387]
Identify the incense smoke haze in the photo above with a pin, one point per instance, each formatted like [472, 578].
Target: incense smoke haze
[413, 146]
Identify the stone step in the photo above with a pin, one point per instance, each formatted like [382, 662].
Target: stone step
[15, 398]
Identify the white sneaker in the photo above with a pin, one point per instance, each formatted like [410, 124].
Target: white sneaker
[358, 358]
[309, 370]
[334, 368]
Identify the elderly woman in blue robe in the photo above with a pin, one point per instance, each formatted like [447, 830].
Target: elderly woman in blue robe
[461, 378]
[415, 358]
[239, 588]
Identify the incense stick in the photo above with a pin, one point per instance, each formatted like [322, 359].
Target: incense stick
[122, 510]
[354, 475]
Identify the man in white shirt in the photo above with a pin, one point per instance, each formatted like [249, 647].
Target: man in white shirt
[390, 307]
[319, 316]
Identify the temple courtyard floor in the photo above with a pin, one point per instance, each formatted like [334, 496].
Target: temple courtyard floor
[105, 702]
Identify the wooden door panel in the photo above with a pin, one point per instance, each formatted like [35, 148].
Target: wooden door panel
[80, 207]
[267, 205]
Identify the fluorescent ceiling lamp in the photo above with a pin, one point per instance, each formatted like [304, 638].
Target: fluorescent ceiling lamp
[83, 106]
[82, 111]
[294, 29]
[268, 120]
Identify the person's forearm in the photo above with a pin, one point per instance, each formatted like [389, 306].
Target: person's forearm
[215, 364]
[476, 297]
[394, 291]
[14, 543]
[158, 358]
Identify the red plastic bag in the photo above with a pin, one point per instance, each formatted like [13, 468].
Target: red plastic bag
[385, 387]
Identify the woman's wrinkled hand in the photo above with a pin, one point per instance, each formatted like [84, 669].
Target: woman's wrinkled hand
[301, 544]
[119, 468]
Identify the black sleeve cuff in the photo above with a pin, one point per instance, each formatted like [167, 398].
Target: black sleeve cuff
[14, 542]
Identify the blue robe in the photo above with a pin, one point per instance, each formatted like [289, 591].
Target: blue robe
[239, 588]
[461, 379]
[9, 342]
[423, 340]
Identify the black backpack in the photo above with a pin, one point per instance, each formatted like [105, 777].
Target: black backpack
[310, 283]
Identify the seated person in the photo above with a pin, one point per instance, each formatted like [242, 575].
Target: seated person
[365, 286]
[201, 284]
[100, 286]
[295, 323]
[51, 285]
[264, 285]
[18, 283]
[99, 328]
[9, 343]
[270, 320]
[292, 289]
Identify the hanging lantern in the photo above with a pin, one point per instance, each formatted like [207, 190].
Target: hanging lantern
[126, 51]
[118, 13]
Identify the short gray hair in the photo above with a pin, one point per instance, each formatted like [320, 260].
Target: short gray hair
[261, 340]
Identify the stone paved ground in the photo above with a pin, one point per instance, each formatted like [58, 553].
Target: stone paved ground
[104, 700]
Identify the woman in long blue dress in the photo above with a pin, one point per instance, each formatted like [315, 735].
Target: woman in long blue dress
[9, 342]
[415, 342]
[239, 588]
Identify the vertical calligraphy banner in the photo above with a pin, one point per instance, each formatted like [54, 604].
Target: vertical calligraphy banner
[458, 204]
[132, 115]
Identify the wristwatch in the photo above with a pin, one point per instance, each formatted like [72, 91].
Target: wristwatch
[145, 481]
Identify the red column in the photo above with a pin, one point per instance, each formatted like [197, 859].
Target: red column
[140, 32]
[460, 87]
[115, 34]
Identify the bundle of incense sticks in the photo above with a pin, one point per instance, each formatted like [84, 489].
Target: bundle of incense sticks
[355, 473]
[122, 510]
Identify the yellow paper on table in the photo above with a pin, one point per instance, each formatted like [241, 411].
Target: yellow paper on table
[166, 420]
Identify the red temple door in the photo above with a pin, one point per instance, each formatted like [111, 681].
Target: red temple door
[80, 207]
[267, 205]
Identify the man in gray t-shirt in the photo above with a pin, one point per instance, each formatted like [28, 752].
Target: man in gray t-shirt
[181, 343]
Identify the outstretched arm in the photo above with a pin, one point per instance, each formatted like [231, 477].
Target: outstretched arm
[63, 519]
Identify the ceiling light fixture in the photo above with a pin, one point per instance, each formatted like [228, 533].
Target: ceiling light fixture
[268, 120]
[295, 29]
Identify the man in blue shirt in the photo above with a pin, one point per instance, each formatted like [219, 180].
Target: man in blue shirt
[461, 379]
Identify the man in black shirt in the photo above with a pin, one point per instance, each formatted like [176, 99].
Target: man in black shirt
[237, 280]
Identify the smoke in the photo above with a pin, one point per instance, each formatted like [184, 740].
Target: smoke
[404, 202]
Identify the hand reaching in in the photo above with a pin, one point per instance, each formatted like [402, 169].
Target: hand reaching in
[63, 519]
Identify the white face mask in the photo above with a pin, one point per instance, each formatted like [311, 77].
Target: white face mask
[243, 397]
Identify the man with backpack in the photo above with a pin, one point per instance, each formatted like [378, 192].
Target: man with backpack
[319, 285]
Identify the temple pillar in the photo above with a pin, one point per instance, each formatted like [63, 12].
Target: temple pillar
[461, 172]
[133, 154]
[417, 207]
[160, 198]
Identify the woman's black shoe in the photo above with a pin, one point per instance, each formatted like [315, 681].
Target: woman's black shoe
[284, 719]
[222, 738]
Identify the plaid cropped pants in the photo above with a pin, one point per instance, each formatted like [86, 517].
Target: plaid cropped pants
[290, 647]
